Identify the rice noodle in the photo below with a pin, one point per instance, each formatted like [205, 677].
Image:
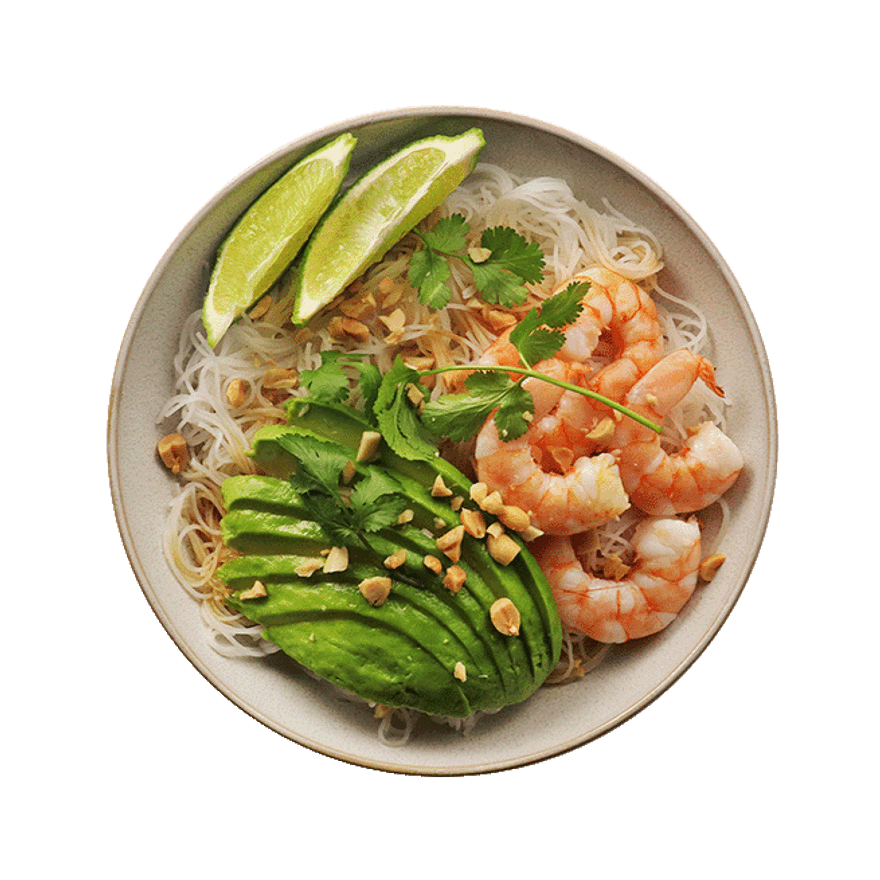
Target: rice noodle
[574, 237]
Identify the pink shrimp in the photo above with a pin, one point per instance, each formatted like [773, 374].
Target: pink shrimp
[661, 482]
[588, 491]
[659, 583]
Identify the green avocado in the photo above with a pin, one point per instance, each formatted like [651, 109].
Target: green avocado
[424, 647]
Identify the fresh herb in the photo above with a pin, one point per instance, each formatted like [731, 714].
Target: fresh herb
[329, 383]
[500, 266]
[374, 503]
[396, 417]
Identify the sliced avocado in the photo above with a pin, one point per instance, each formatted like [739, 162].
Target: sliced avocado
[401, 652]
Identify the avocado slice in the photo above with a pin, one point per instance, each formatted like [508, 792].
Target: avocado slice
[406, 651]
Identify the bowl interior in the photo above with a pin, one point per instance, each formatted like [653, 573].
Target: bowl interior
[554, 719]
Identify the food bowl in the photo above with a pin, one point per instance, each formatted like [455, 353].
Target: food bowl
[556, 718]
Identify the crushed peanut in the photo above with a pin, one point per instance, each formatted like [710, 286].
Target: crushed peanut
[368, 446]
[395, 321]
[386, 285]
[396, 559]
[173, 452]
[393, 298]
[405, 517]
[440, 489]
[348, 472]
[263, 305]
[375, 589]
[460, 671]
[493, 503]
[710, 565]
[280, 379]
[414, 393]
[503, 549]
[478, 492]
[495, 529]
[337, 559]
[531, 533]
[514, 517]
[236, 393]
[257, 591]
[614, 568]
[474, 523]
[450, 543]
[603, 431]
[499, 320]
[439, 523]
[433, 563]
[505, 616]
[456, 503]
[348, 328]
[479, 254]
[309, 567]
[454, 578]
[358, 307]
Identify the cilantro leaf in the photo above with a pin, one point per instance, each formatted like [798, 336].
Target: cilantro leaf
[461, 416]
[428, 273]
[369, 381]
[448, 234]
[563, 308]
[319, 463]
[498, 286]
[328, 382]
[398, 422]
[514, 253]
[375, 501]
[533, 341]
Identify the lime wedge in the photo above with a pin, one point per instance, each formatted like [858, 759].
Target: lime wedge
[377, 211]
[271, 233]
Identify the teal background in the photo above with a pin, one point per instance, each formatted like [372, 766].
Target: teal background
[122, 122]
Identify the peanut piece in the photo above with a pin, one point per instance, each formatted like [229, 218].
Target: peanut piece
[450, 543]
[375, 589]
[396, 559]
[440, 489]
[455, 578]
[173, 452]
[505, 616]
[257, 591]
[474, 523]
[434, 564]
[460, 671]
[503, 549]
[710, 565]
[369, 445]
[337, 559]
[514, 517]
[236, 393]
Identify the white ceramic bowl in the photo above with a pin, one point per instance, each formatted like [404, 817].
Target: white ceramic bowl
[554, 719]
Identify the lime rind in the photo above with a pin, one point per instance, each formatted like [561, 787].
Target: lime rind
[377, 211]
[271, 233]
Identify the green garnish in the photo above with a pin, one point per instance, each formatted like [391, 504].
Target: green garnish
[506, 262]
[373, 504]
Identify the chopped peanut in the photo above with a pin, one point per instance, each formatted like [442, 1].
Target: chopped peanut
[474, 523]
[279, 379]
[337, 559]
[369, 445]
[478, 492]
[492, 503]
[499, 320]
[396, 559]
[414, 393]
[395, 321]
[450, 543]
[514, 517]
[309, 567]
[393, 298]
[439, 523]
[433, 563]
[375, 589]
[257, 591]
[603, 431]
[505, 616]
[503, 549]
[348, 328]
[405, 517]
[348, 472]
[460, 671]
[456, 503]
[439, 489]
[495, 530]
[479, 254]
[614, 568]
[263, 305]
[358, 307]
[173, 452]
[236, 393]
[710, 565]
[531, 533]
[455, 578]
[386, 285]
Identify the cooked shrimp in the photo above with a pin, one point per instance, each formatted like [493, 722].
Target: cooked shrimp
[660, 482]
[660, 581]
[587, 493]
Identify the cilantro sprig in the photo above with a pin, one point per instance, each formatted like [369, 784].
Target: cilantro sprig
[501, 266]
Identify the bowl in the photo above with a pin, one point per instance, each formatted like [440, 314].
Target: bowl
[555, 719]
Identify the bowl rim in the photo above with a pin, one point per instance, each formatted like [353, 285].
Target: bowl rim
[327, 132]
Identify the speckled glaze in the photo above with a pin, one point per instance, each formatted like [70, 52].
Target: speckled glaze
[555, 719]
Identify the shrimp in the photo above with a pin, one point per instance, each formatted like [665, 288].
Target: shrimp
[659, 583]
[587, 493]
[707, 465]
